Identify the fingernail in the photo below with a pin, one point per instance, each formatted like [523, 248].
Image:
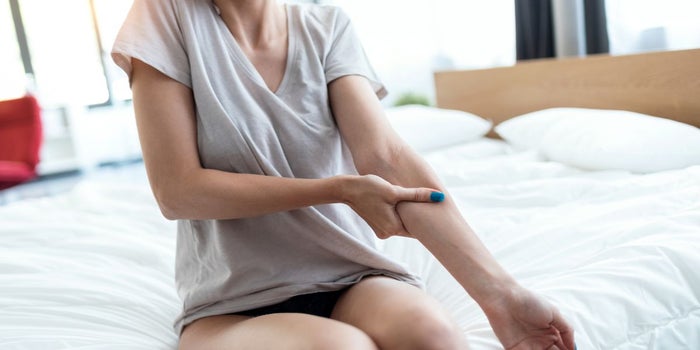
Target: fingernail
[437, 197]
[575, 346]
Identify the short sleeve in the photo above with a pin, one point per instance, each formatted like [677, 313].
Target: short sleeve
[152, 33]
[346, 56]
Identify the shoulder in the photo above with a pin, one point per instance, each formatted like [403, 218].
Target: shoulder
[144, 12]
[156, 5]
[162, 9]
[327, 18]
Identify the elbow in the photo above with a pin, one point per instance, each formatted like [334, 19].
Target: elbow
[170, 200]
[168, 211]
[174, 187]
[167, 203]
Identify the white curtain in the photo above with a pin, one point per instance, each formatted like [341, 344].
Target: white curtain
[650, 25]
[407, 40]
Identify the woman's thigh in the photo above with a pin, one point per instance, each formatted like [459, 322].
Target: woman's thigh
[273, 331]
[397, 315]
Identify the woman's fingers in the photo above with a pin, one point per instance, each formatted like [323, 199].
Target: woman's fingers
[375, 200]
[419, 195]
[565, 331]
[392, 227]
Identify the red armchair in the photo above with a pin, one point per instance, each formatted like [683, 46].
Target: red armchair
[20, 140]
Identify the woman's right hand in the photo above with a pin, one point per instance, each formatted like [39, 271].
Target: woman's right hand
[375, 200]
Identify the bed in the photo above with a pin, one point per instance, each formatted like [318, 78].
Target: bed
[617, 251]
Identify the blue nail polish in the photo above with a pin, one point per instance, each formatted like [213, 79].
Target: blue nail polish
[437, 197]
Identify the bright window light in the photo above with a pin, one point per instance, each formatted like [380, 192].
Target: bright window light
[12, 82]
[110, 16]
[650, 25]
[64, 52]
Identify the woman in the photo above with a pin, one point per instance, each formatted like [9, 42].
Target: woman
[263, 135]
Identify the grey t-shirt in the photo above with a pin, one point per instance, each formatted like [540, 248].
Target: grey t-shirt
[224, 266]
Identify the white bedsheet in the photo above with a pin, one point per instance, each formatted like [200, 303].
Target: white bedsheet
[618, 253]
[92, 269]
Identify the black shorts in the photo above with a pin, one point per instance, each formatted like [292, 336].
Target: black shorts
[318, 304]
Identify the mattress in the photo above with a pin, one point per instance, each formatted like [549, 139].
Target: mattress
[618, 253]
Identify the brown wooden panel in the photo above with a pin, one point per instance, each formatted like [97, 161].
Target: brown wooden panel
[664, 84]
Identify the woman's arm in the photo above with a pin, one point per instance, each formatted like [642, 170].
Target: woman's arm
[377, 149]
[165, 118]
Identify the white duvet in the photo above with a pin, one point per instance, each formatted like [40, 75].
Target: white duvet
[618, 253]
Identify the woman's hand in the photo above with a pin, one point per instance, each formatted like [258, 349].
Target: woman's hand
[525, 321]
[375, 199]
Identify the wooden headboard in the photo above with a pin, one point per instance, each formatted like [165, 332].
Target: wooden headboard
[664, 84]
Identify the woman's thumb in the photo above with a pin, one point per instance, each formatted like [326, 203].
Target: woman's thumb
[421, 195]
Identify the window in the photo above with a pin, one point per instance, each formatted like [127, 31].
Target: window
[110, 15]
[644, 25]
[13, 82]
[68, 42]
[64, 52]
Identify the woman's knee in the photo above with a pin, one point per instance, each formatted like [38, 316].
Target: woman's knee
[399, 316]
[341, 337]
[430, 330]
[439, 336]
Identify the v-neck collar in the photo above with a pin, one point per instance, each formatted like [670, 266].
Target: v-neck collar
[245, 62]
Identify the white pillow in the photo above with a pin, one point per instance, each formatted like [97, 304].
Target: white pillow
[429, 128]
[606, 139]
[526, 131]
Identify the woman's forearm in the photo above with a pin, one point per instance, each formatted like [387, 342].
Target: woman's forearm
[442, 229]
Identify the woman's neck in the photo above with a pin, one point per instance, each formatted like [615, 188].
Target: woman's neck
[254, 23]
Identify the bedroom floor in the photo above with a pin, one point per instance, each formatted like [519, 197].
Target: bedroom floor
[131, 171]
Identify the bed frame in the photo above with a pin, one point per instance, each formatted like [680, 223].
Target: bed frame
[664, 84]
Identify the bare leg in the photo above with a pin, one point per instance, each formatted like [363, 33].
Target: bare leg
[274, 331]
[397, 315]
